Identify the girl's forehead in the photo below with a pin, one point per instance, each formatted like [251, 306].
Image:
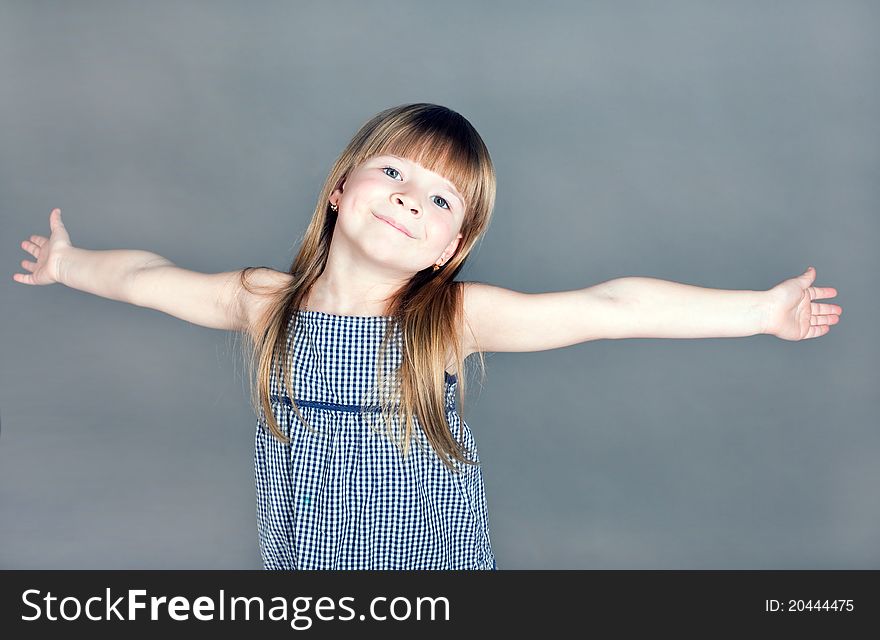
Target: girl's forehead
[392, 156]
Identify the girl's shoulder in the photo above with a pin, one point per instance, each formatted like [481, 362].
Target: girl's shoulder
[262, 283]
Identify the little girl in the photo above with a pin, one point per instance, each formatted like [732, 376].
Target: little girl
[369, 328]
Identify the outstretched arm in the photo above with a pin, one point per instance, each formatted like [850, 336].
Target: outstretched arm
[142, 278]
[664, 309]
[499, 319]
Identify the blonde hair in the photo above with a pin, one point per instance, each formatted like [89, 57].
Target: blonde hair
[427, 309]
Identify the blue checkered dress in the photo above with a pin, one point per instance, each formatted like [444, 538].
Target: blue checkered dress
[343, 496]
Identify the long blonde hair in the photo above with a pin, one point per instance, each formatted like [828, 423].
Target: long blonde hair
[428, 309]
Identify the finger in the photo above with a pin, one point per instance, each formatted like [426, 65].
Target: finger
[815, 332]
[820, 320]
[30, 246]
[819, 293]
[818, 308]
[39, 240]
[30, 266]
[24, 278]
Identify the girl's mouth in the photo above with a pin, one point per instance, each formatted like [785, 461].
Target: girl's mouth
[391, 224]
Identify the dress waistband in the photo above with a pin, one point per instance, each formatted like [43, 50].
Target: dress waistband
[352, 408]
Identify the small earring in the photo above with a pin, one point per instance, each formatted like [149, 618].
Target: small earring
[436, 266]
[334, 207]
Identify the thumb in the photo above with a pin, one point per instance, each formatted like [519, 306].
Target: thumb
[809, 275]
[56, 226]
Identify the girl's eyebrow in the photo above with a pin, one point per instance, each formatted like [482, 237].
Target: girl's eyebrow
[448, 184]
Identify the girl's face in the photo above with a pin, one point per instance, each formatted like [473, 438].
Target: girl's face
[387, 191]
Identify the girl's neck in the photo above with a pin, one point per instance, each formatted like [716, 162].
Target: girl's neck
[313, 302]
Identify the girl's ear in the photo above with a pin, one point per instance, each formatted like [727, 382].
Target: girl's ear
[452, 246]
[336, 194]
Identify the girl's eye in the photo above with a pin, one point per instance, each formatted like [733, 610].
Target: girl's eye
[393, 169]
[386, 169]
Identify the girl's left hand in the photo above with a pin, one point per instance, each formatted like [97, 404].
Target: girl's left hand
[791, 312]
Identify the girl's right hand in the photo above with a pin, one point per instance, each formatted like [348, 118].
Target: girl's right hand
[47, 251]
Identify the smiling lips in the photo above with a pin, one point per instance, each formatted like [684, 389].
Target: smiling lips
[393, 224]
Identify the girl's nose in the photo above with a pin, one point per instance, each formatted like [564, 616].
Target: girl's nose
[408, 202]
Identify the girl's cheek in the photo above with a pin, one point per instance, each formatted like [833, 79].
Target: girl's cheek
[439, 233]
[442, 228]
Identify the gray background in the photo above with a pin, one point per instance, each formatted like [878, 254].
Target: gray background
[725, 145]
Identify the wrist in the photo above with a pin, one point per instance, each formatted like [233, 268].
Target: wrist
[765, 306]
[62, 260]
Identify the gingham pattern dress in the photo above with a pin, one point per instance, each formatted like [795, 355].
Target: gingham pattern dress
[343, 496]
